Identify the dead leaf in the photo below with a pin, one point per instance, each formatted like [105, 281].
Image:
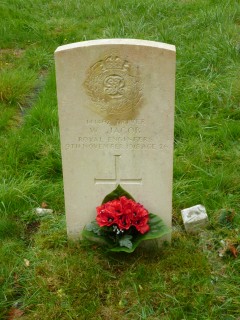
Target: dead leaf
[228, 246]
[44, 205]
[233, 250]
[26, 262]
[14, 314]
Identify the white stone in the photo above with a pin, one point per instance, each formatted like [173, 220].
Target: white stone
[116, 114]
[194, 218]
[43, 211]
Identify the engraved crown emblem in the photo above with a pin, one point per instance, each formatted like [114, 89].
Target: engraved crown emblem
[114, 62]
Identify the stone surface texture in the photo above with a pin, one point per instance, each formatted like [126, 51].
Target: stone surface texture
[194, 218]
[116, 115]
[43, 211]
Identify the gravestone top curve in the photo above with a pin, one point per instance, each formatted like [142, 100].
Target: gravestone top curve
[117, 41]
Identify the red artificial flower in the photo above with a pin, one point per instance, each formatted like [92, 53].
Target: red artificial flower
[140, 218]
[127, 205]
[124, 213]
[106, 215]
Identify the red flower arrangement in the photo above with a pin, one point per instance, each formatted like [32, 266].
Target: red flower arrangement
[122, 223]
[123, 213]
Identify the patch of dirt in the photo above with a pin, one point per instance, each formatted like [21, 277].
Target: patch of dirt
[32, 228]
[7, 57]
[17, 53]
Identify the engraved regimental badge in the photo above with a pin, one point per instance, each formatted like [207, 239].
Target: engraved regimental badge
[114, 86]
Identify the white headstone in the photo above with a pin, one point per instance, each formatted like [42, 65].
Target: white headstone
[116, 113]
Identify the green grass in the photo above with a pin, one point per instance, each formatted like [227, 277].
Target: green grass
[47, 276]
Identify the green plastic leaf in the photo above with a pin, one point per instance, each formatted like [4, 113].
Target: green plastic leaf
[94, 227]
[125, 241]
[117, 193]
[157, 230]
[97, 238]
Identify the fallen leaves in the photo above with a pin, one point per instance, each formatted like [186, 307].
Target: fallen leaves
[233, 250]
[228, 247]
[15, 313]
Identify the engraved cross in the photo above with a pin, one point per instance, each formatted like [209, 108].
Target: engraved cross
[117, 180]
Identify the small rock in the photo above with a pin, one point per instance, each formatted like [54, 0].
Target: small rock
[194, 218]
[43, 211]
